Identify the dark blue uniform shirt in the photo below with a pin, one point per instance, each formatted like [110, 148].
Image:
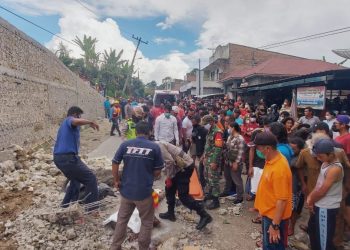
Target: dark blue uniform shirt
[141, 157]
[68, 138]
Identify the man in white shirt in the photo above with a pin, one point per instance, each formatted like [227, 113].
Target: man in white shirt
[165, 127]
[187, 128]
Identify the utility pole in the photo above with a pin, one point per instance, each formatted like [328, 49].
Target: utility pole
[199, 76]
[129, 76]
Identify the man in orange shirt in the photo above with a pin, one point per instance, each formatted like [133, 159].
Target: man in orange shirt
[274, 195]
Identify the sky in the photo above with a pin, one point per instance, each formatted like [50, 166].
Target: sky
[181, 32]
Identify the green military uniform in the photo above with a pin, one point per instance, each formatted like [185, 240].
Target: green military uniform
[212, 154]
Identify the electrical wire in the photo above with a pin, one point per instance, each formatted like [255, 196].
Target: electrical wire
[93, 12]
[38, 26]
[306, 38]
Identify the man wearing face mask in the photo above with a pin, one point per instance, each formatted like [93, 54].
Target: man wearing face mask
[274, 194]
[165, 128]
[248, 127]
[212, 159]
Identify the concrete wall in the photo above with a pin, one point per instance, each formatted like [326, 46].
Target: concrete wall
[36, 90]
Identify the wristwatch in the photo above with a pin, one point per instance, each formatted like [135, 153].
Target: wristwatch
[275, 226]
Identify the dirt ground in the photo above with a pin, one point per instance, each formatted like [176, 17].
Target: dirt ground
[90, 139]
[11, 204]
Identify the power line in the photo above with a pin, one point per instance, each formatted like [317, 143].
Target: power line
[306, 38]
[38, 26]
[93, 12]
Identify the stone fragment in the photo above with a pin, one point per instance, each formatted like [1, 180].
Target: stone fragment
[222, 211]
[70, 234]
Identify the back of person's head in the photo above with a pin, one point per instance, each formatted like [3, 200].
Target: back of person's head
[142, 128]
[299, 142]
[235, 126]
[302, 133]
[74, 110]
[197, 118]
[279, 131]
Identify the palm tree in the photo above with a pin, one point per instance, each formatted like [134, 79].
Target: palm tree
[90, 56]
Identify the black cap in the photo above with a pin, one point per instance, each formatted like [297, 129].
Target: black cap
[320, 126]
[265, 138]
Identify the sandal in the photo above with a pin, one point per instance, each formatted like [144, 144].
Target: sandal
[256, 220]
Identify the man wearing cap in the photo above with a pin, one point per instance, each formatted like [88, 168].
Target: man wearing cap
[274, 195]
[115, 113]
[212, 159]
[165, 127]
[324, 200]
[341, 125]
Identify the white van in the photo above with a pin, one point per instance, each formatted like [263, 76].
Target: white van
[164, 96]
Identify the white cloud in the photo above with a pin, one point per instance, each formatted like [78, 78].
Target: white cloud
[251, 23]
[169, 40]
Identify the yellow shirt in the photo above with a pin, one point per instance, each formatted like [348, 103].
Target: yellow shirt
[275, 184]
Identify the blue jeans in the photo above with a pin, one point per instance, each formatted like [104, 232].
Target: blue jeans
[266, 222]
[77, 172]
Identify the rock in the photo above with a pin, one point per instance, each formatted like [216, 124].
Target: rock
[18, 165]
[222, 211]
[70, 234]
[30, 189]
[255, 235]
[170, 243]
[53, 171]
[9, 224]
[298, 244]
[7, 166]
[302, 237]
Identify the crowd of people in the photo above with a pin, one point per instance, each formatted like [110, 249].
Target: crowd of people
[297, 163]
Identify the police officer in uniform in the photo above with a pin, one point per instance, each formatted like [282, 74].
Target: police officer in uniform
[212, 159]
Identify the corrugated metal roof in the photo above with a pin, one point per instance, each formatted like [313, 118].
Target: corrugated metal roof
[284, 67]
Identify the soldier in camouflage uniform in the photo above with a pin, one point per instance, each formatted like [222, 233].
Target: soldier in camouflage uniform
[212, 159]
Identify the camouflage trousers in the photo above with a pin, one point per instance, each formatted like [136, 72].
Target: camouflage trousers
[212, 178]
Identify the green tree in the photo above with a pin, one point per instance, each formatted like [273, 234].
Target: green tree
[150, 88]
[111, 71]
[63, 53]
[90, 56]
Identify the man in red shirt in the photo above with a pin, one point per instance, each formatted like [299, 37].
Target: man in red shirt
[341, 125]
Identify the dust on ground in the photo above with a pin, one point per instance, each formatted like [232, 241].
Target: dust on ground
[90, 139]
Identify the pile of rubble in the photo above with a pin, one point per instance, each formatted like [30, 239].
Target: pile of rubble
[44, 225]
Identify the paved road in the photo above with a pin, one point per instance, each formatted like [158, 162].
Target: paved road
[106, 148]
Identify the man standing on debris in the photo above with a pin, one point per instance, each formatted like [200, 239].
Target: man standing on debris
[179, 167]
[142, 162]
[66, 158]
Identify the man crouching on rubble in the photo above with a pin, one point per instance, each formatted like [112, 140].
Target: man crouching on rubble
[67, 160]
[142, 162]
